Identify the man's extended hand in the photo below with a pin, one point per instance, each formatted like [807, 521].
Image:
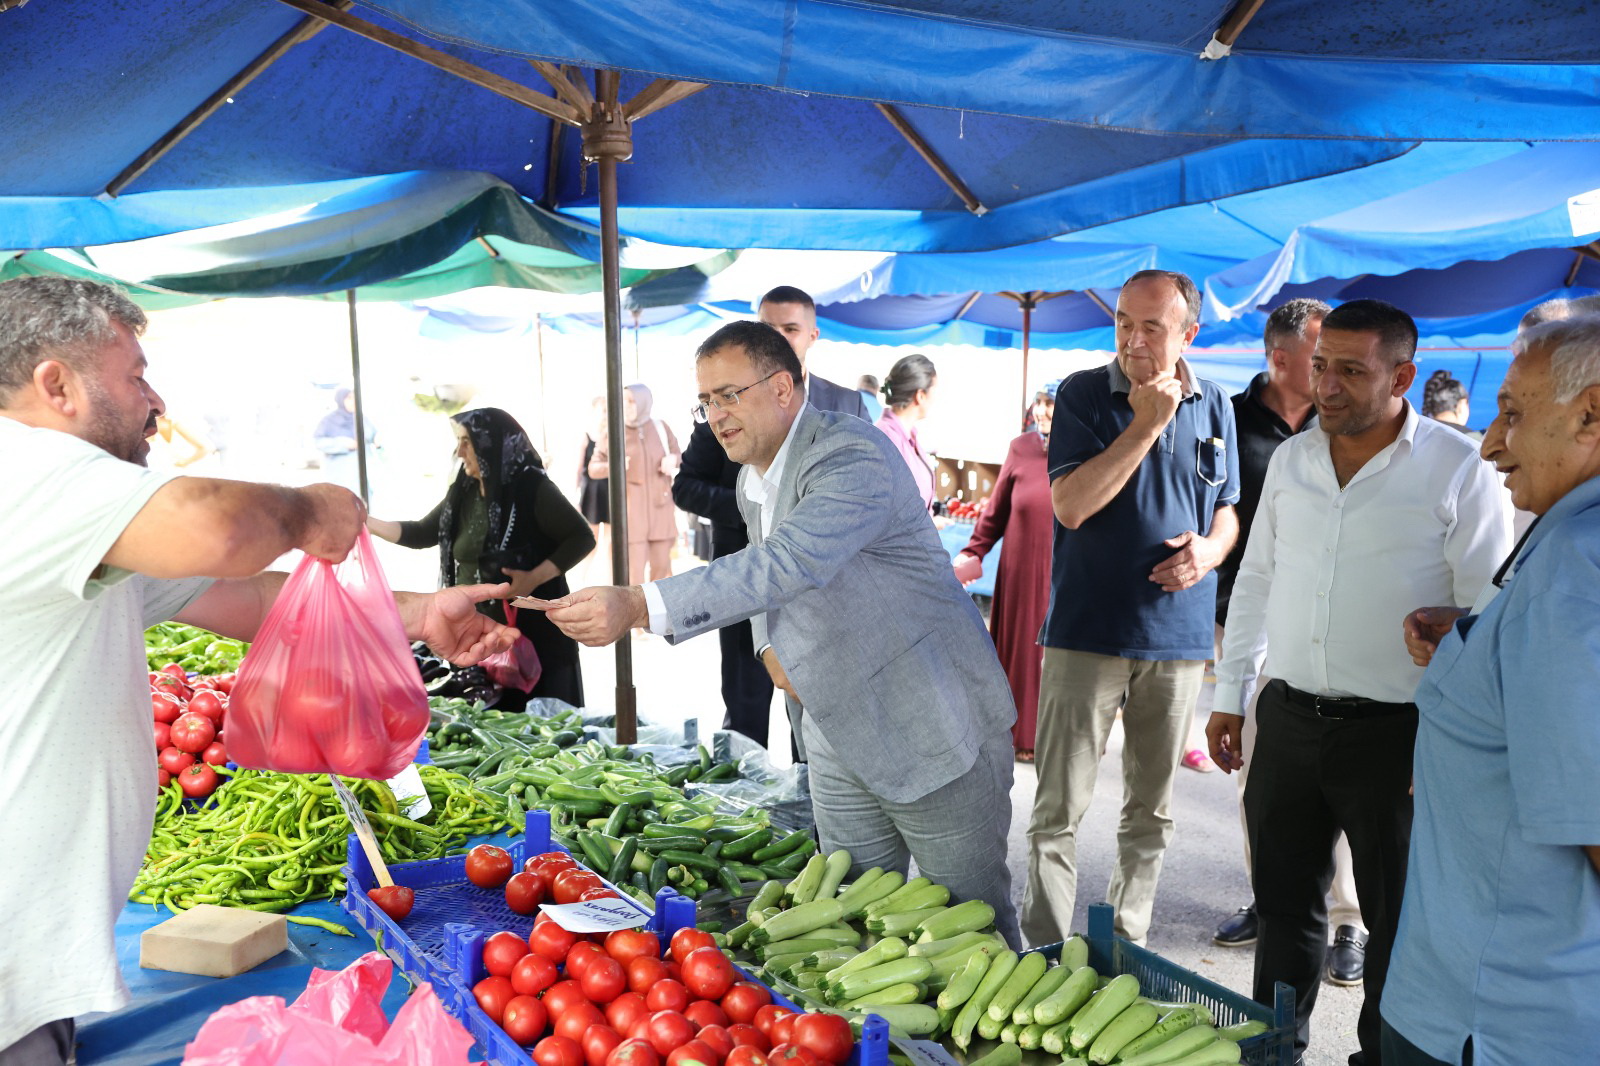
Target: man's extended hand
[450, 623]
[775, 670]
[1197, 556]
[1225, 738]
[1425, 627]
[601, 614]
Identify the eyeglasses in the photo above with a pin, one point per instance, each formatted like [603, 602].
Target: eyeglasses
[726, 402]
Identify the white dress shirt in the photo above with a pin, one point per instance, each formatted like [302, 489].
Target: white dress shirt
[1330, 573]
[758, 490]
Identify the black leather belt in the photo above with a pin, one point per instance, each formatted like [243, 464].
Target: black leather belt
[1342, 707]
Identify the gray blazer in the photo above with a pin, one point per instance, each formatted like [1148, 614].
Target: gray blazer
[855, 592]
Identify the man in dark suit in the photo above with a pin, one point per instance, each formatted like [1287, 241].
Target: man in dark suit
[704, 486]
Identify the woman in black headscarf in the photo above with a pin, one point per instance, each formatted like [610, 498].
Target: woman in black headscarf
[503, 520]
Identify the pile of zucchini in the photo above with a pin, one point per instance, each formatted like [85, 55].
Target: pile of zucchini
[898, 949]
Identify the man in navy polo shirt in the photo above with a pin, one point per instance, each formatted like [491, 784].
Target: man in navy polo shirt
[1143, 478]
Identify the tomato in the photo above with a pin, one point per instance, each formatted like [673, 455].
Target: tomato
[604, 980]
[492, 994]
[570, 883]
[524, 1019]
[674, 971]
[746, 1055]
[581, 955]
[550, 863]
[501, 952]
[193, 732]
[206, 701]
[782, 1031]
[707, 973]
[488, 866]
[744, 999]
[599, 1041]
[563, 996]
[165, 707]
[551, 941]
[176, 671]
[687, 939]
[792, 1055]
[704, 1012]
[744, 1034]
[394, 900]
[163, 736]
[215, 754]
[625, 1010]
[765, 1016]
[643, 973]
[223, 683]
[625, 945]
[826, 1036]
[633, 1052]
[532, 974]
[524, 893]
[558, 1051]
[169, 684]
[576, 1020]
[163, 779]
[695, 1053]
[597, 892]
[667, 995]
[174, 761]
[669, 1030]
[198, 780]
[716, 1038]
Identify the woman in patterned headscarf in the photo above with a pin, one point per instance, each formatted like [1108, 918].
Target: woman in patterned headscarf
[504, 520]
[1020, 511]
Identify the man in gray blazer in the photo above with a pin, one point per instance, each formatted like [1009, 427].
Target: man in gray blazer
[907, 714]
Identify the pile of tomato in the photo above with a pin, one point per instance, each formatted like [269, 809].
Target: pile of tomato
[189, 714]
[615, 1001]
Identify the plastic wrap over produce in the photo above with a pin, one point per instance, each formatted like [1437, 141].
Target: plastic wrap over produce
[330, 684]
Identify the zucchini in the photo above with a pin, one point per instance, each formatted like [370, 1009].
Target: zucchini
[1054, 1039]
[908, 968]
[803, 889]
[801, 919]
[999, 969]
[1241, 1031]
[962, 986]
[1116, 997]
[858, 887]
[877, 889]
[1030, 967]
[886, 950]
[803, 945]
[894, 900]
[929, 895]
[967, 917]
[1028, 1039]
[988, 1028]
[766, 896]
[1174, 1048]
[834, 869]
[1008, 1033]
[1171, 1024]
[1067, 1000]
[1126, 1027]
[1004, 1055]
[1074, 953]
[1053, 979]
[913, 1019]
[901, 923]
[934, 948]
[906, 992]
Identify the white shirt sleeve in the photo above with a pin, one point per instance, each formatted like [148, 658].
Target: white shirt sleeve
[1482, 537]
[1244, 638]
[660, 623]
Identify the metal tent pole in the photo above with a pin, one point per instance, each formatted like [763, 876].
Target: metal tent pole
[361, 411]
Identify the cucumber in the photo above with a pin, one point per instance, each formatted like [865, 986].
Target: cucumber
[908, 968]
[1067, 1000]
[1052, 980]
[1241, 1031]
[800, 919]
[779, 848]
[999, 969]
[967, 917]
[1114, 998]
[747, 845]
[1004, 1055]
[1030, 967]
[886, 950]
[1171, 1024]
[1126, 1027]
[878, 889]
[1217, 1053]
[1074, 953]
[834, 869]
[963, 985]
[901, 994]
[1185, 1043]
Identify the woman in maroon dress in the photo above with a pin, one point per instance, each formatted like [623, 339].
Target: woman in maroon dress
[1020, 511]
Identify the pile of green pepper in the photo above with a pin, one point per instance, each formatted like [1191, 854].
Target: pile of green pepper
[271, 841]
[198, 651]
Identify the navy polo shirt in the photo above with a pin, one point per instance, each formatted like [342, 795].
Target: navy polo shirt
[1101, 596]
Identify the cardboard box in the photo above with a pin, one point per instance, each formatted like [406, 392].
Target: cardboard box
[966, 479]
[213, 941]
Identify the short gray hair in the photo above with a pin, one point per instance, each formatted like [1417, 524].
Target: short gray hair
[1291, 320]
[57, 318]
[1573, 345]
[1558, 309]
[1182, 282]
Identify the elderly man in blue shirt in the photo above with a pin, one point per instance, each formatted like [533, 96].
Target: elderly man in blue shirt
[1497, 959]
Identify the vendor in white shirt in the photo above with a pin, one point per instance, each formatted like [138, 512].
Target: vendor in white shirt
[1359, 516]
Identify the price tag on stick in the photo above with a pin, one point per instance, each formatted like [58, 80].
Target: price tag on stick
[595, 915]
[363, 828]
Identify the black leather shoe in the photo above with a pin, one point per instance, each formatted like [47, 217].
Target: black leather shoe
[1347, 961]
[1239, 931]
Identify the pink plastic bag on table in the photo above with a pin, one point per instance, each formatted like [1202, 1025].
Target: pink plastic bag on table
[330, 684]
[518, 666]
[337, 1021]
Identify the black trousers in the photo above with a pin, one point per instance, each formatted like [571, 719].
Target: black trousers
[746, 686]
[1312, 778]
[1398, 1051]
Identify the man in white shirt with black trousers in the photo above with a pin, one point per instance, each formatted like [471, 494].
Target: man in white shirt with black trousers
[1358, 516]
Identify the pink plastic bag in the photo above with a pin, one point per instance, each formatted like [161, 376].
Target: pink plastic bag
[518, 666]
[337, 1021]
[330, 684]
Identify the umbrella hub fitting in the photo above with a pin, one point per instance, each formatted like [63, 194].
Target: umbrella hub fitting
[608, 135]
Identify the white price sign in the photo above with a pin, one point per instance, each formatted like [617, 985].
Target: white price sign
[596, 915]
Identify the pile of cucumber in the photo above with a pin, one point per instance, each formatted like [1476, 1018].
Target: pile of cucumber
[899, 949]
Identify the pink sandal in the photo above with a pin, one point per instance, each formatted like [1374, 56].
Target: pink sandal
[1195, 759]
